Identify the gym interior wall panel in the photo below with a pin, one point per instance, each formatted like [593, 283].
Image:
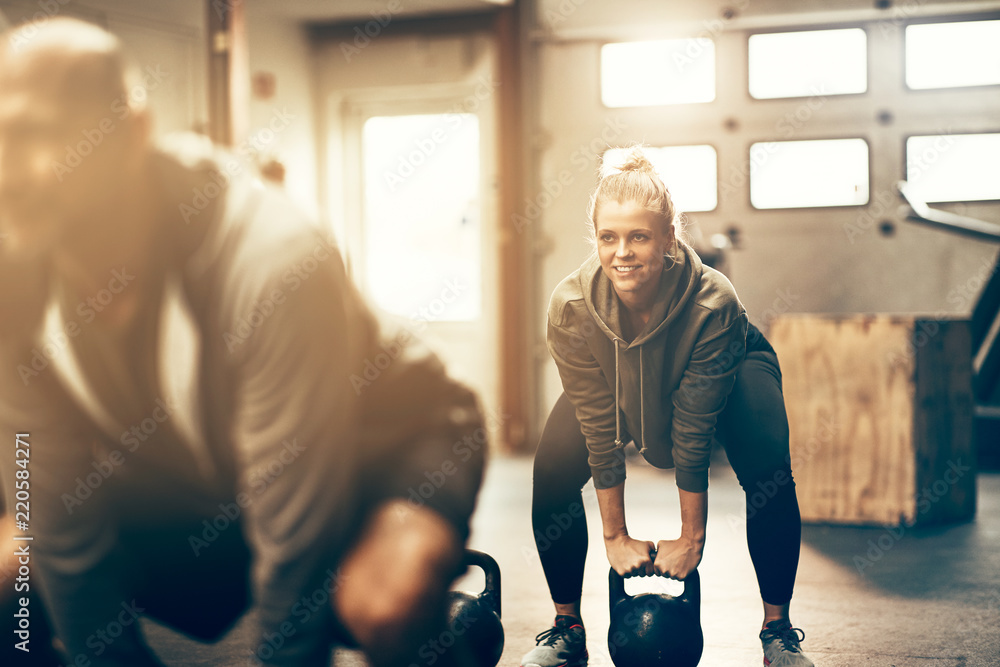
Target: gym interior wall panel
[659, 19]
[282, 104]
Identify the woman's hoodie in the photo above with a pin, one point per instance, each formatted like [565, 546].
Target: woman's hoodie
[666, 388]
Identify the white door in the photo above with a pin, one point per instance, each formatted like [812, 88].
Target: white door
[423, 248]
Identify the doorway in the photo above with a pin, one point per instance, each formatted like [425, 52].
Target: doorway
[422, 246]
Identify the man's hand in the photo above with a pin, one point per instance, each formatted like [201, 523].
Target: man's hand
[392, 584]
[678, 558]
[630, 557]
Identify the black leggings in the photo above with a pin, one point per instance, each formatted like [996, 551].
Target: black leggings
[754, 430]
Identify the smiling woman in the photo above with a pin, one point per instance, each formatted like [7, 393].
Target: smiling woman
[653, 347]
[636, 233]
[633, 244]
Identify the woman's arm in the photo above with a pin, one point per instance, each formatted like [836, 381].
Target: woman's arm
[698, 401]
[701, 396]
[627, 556]
[592, 397]
[677, 558]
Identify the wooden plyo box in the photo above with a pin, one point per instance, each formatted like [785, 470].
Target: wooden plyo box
[880, 414]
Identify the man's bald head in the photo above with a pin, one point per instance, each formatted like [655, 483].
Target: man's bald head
[78, 64]
[72, 141]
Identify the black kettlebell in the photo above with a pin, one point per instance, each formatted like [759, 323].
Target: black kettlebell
[655, 629]
[474, 620]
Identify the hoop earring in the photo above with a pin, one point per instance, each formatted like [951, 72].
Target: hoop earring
[673, 261]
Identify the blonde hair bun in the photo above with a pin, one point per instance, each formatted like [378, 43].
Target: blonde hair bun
[636, 160]
[633, 178]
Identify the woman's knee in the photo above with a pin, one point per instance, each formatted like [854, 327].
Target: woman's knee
[760, 454]
[560, 464]
[558, 479]
[768, 484]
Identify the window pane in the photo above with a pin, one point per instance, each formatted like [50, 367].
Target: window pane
[814, 62]
[689, 172]
[421, 215]
[954, 167]
[669, 71]
[949, 55]
[796, 174]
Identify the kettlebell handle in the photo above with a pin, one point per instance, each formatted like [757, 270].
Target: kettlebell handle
[692, 588]
[616, 589]
[491, 593]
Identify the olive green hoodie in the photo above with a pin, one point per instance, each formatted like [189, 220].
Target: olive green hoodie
[667, 387]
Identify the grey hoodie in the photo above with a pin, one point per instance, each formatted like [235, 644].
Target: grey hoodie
[667, 387]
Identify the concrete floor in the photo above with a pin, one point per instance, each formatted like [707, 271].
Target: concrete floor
[925, 596]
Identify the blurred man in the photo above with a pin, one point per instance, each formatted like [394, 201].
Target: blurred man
[205, 397]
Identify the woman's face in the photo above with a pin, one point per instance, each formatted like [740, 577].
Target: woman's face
[631, 243]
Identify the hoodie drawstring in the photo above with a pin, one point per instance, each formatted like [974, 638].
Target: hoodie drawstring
[642, 412]
[618, 413]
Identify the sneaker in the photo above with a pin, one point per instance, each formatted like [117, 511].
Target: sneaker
[781, 645]
[562, 645]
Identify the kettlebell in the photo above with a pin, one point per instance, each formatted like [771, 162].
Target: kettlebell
[655, 629]
[475, 619]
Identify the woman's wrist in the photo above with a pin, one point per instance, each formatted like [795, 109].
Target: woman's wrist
[694, 515]
[695, 535]
[617, 536]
